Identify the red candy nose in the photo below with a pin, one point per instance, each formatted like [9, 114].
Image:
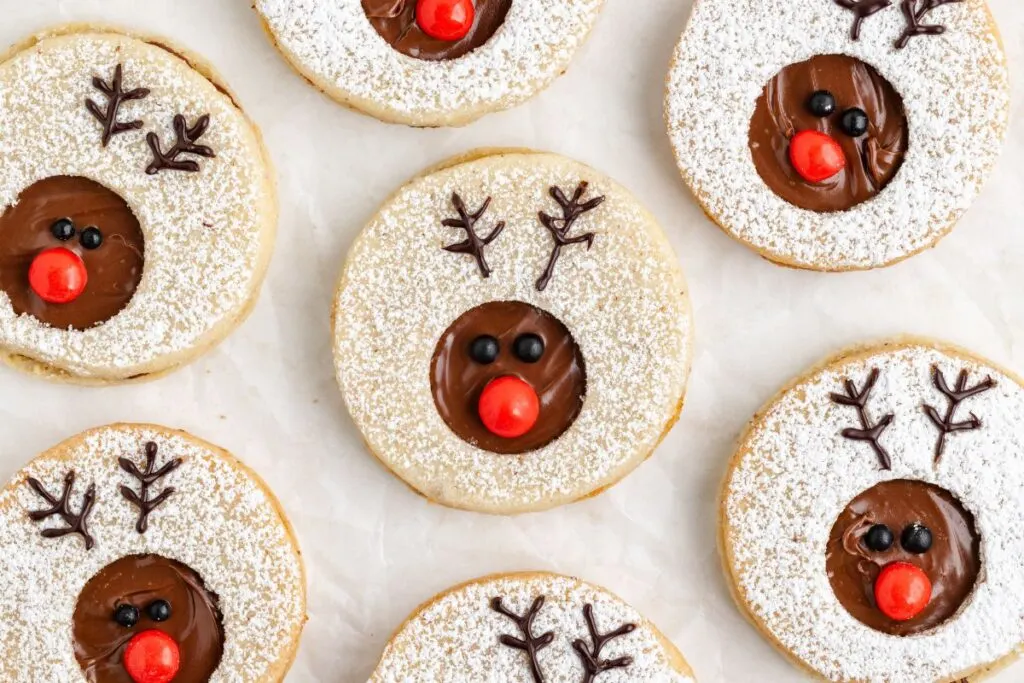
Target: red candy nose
[509, 407]
[57, 275]
[448, 20]
[152, 657]
[816, 156]
[902, 591]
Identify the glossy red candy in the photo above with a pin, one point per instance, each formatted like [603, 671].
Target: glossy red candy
[509, 407]
[902, 591]
[816, 156]
[152, 657]
[57, 275]
[449, 20]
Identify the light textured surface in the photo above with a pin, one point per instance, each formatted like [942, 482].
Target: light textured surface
[375, 551]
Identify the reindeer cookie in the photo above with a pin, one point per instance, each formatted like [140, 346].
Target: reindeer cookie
[531, 627]
[512, 332]
[837, 134]
[872, 522]
[429, 62]
[139, 554]
[137, 209]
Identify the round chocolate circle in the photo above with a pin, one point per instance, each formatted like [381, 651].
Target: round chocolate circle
[951, 563]
[113, 258]
[559, 376]
[193, 618]
[395, 21]
[872, 158]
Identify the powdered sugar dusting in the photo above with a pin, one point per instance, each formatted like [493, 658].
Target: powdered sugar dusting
[204, 232]
[955, 89]
[798, 473]
[624, 302]
[334, 42]
[219, 522]
[456, 638]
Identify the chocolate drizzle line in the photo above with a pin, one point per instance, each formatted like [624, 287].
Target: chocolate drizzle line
[955, 396]
[915, 11]
[858, 398]
[862, 9]
[146, 479]
[592, 663]
[76, 524]
[473, 244]
[530, 644]
[185, 144]
[116, 95]
[572, 209]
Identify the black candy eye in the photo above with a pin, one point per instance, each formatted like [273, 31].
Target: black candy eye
[855, 122]
[821, 103]
[879, 538]
[159, 610]
[916, 538]
[528, 348]
[91, 238]
[126, 615]
[484, 349]
[63, 229]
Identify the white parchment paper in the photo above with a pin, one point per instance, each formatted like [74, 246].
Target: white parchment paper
[373, 549]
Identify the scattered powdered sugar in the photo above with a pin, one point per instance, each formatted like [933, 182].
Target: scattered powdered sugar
[219, 521]
[624, 302]
[204, 232]
[797, 473]
[334, 43]
[456, 638]
[955, 89]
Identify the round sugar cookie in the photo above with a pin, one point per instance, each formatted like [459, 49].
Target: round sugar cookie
[526, 627]
[512, 332]
[429, 62]
[135, 546]
[837, 135]
[872, 524]
[137, 208]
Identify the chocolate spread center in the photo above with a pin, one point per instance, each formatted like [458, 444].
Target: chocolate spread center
[395, 21]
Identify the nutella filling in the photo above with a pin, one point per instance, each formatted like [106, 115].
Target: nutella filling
[951, 563]
[395, 21]
[558, 377]
[872, 159]
[194, 621]
[114, 267]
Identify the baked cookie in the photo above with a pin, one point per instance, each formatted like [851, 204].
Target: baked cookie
[837, 134]
[139, 554]
[535, 627]
[876, 498]
[429, 62]
[137, 209]
[512, 332]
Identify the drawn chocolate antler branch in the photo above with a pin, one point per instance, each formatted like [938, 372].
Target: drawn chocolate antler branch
[185, 144]
[116, 96]
[60, 507]
[529, 643]
[572, 209]
[858, 398]
[955, 396]
[862, 9]
[147, 478]
[914, 11]
[473, 244]
[591, 657]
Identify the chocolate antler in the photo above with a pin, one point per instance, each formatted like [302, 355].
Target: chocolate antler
[116, 95]
[862, 9]
[473, 244]
[146, 479]
[76, 524]
[858, 398]
[915, 11]
[186, 144]
[572, 209]
[955, 396]
[530, 644]
[591, 658]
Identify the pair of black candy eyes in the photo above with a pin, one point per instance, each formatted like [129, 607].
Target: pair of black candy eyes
[916, 538]
[128, 615]
[528, 348]
[854, 121]
[64, 230]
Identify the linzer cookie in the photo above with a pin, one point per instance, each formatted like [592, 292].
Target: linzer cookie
[536, 627]
[429, 62]
[871, 524]
[512, 332]
[138, 214]
[837, 134]
[139, 554]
